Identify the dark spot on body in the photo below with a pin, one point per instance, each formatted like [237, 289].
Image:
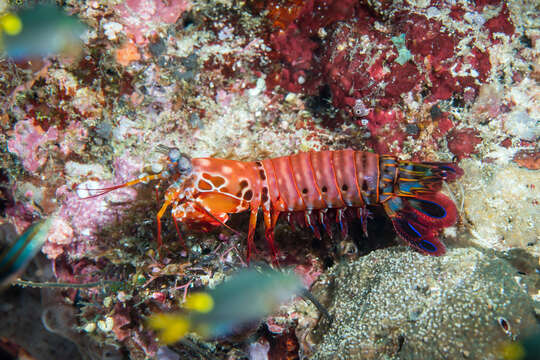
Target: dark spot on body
[344, 187]
[304, 191]
[364, 161]
[258, 163]
[243, 184]
[262, 175]
[364, 186]
[204, 185]
[324, 189]
[264, 196]
[248, 195]
[216, 180]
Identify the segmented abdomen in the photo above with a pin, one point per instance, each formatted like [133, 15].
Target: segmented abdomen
[324, 179]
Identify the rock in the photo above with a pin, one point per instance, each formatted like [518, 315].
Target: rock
[500, 205]
[397, 304]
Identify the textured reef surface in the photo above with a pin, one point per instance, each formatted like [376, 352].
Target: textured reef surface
[441, 311]
[432, 80]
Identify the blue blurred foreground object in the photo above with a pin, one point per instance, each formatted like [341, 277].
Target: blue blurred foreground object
[248, 296]
[41, 31]
[15, 258]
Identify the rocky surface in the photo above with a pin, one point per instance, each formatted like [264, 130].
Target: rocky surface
[396, 304]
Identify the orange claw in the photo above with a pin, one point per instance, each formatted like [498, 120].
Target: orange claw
[158, 218]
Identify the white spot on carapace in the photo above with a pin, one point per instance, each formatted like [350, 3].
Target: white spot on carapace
[227, 170]
[204, 162]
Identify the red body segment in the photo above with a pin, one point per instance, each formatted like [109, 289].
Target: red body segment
[305, 181]
[316, 181]
[367, 168]
[322, 164]
[312, 182]
[324, 179]
[206, 190]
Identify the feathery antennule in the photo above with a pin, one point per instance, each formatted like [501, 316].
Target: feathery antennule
[452, 195]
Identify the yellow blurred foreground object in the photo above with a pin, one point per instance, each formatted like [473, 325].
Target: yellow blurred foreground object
[11, 24]
[246, 297]
[526, 347]
[201, 302]
[171, 327]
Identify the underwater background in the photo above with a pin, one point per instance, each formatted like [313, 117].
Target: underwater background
[91, 89]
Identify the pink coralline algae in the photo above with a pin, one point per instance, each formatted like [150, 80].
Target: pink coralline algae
[296, 50]
[309, 273]
[374, 73]
[356, 57]
[501, 23]
[27, 141]
[294, 45]
[88, 216]
[529, 159]
[462, 143]
[142, 17]
[61, 234]
[387, 134]
[20, 215]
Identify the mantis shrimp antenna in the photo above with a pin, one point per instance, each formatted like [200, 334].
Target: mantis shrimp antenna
[179, 164]
[105, 190]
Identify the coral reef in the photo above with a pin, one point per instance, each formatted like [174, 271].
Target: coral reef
[502, 205]
[27, 141]
[423, 80]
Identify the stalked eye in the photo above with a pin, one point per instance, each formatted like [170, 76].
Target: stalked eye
[184, 164]
[174, 155]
